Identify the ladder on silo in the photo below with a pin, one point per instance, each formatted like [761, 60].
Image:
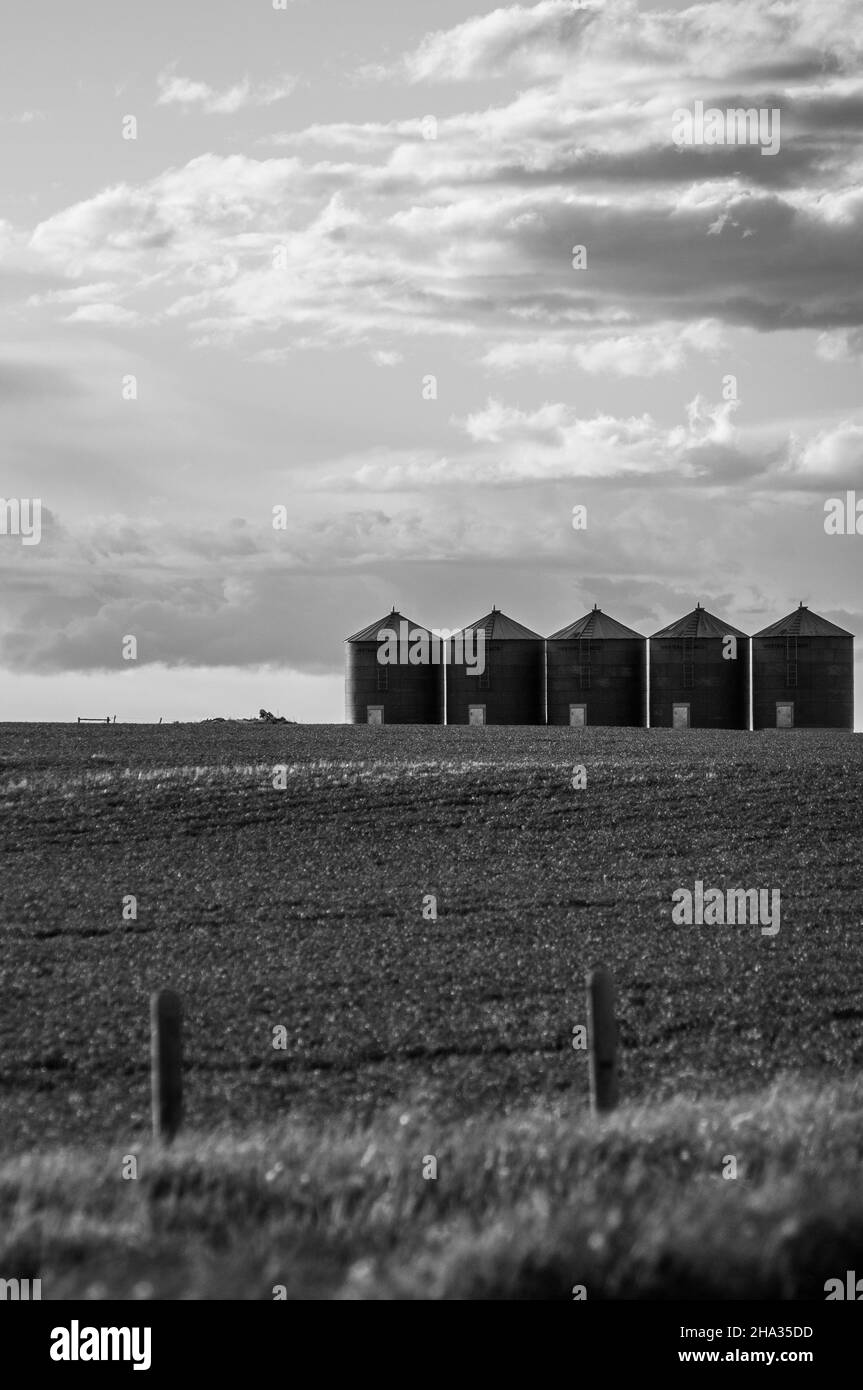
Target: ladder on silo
[791, 661]
[688, 662]
[584, 663]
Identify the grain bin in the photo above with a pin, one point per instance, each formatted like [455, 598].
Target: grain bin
[509, 689]
[803, 674]
[596, 673]
[698, 678]
[404, 689]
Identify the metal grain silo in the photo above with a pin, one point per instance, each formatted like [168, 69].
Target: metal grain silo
[404, 691]
[596, 673]
[803, 674]
[510, 689]
[695, 681]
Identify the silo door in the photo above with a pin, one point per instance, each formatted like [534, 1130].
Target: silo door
[680, 716]
[476, 714]
[578, 715]
[785, 714]
[375, 714]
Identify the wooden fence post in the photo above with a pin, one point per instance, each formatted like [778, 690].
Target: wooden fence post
[603, 1041]
[166, 1063]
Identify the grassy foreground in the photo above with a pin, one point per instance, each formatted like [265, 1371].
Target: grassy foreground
[301, 908]
[633, 1206]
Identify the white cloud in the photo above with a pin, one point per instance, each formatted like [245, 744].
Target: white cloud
[207, 237]
[833, 453]
[840, 345]
[383, 233]
[664, 349]
[528, 40]
[554, 443]
[183, 91]
[103, 313]
[76, 295]
[181, 219]
[557, 37]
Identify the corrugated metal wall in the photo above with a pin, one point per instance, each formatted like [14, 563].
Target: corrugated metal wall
[408, 694]
[814, 674]
[693, 671]
[608, 675]
[511, 687]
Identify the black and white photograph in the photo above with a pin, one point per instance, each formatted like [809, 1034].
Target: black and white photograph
[431, 724]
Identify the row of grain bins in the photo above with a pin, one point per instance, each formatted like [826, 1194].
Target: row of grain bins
[595, 672]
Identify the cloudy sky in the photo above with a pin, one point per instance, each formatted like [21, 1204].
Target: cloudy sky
[328, 204]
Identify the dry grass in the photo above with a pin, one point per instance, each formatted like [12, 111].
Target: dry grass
[634, 1206]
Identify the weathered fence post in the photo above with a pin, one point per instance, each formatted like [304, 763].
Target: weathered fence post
[603, 1041]
[166, 1063]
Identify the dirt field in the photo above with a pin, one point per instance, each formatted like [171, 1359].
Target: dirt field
[302, 908]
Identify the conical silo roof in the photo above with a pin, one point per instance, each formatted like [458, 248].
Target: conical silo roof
[499, 628]
[595, 625]
[802, 623]
[699, 623]
[391, 620]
